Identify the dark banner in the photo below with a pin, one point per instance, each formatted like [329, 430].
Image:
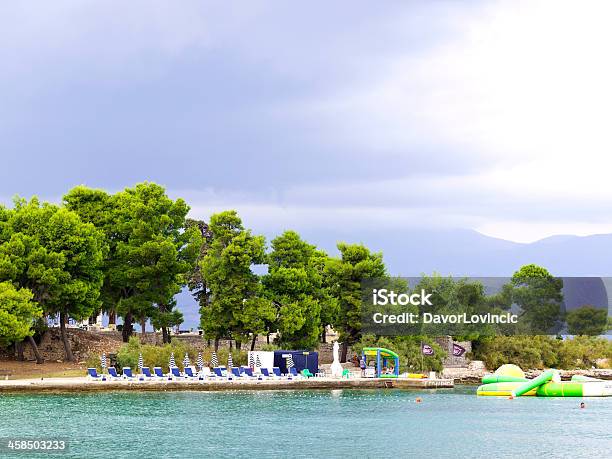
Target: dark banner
[426, 349]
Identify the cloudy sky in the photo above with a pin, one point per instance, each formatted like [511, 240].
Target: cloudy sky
[493, 116]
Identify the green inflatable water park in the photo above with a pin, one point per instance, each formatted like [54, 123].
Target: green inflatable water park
[509, 381]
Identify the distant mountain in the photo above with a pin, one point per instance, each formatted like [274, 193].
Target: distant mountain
[459, 253]
[469, 253]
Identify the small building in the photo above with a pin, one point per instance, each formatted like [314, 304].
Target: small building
[301, 360]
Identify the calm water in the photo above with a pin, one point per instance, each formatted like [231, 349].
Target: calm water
[341, 423]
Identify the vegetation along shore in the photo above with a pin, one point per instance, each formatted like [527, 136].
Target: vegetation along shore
[128, 254]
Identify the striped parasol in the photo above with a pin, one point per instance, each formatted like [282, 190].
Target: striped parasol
[214, 360]
[290, 363]
[230, 362]
[172, 363]
[251, 360]
[258, 362]
[200, 361]
[140, 362]
[186, 361]
[103, 361]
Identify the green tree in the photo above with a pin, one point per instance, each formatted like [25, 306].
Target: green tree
[96, 207]
[236, 307]
[345, 275]
[295, 283]
[150, 251]
[195, 280]
[587, 320]
[539, 295]
[17, 313]
[164, 317]
[50, 251]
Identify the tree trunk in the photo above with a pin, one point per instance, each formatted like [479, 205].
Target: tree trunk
[112, 318]
[343, 352]
[324, 335]
[143, 330]
[127, 327]
[68, 351]
[19, 350]
[238, 345]
[230, 344]
[253, 342]
[268, 338]
[39, 358]
[165, 335]
[216, 344]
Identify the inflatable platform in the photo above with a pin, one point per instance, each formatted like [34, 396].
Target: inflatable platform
[509, 381]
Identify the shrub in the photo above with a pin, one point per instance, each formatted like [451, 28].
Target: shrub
[159, 356]
[530, 352]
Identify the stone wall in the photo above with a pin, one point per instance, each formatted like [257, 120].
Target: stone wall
[450, 361]
[85, 343]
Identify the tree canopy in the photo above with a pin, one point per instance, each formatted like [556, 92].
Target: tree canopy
[50, 251]
[346, 274]
[150, 250]
[17, 313]
[237, 307]
[587, 320]
[295, 284]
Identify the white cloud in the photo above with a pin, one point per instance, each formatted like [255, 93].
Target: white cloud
[522, 87]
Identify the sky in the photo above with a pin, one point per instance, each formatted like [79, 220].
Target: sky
[492, 116]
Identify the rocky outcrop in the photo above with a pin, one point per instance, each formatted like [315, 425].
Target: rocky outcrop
[470, 374]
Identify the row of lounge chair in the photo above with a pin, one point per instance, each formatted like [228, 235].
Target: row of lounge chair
[190, 373]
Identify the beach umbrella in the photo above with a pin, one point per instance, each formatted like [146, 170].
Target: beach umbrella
[186, 361]
[200, 361]
[290, 363]
[214, 360]
[172, 363]
[258, 362]
[140, 362]
[103, 362]
[230, 362]
[251, 360]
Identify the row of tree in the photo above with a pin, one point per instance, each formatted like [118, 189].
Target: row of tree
[129, 253]
[126, 253]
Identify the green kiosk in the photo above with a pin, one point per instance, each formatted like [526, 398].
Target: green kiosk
[382, 358]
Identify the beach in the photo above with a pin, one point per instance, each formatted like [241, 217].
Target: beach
[83, 384]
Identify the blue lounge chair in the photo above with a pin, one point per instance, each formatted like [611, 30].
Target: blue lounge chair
[265, 372]
[127, 373]
[159, 373]
[189, 374]
[218, 371]
[277, 372]
[174, 371]
[112, 373]
[92, 374]
[292, 373]
[236, 372]
[146, 374]
[249, 372]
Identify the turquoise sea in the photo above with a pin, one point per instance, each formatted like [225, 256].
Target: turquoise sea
[330, 423]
